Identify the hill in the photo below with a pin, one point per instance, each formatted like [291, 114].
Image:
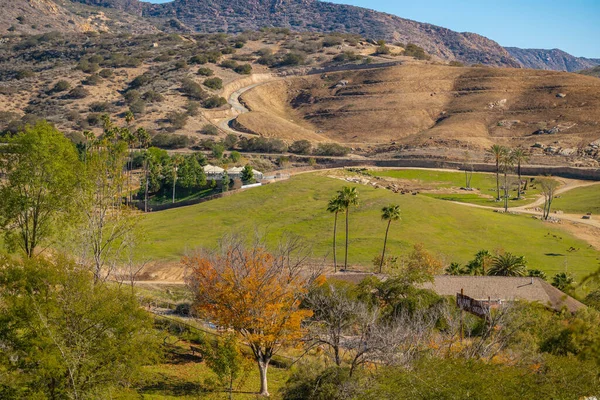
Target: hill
[421, 104]
[275, 209]
[41, 16]
[591, 72]
[555, 59]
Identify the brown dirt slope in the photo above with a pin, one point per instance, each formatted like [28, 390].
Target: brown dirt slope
[425, 104]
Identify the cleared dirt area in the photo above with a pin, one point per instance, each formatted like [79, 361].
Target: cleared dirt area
[432, 105]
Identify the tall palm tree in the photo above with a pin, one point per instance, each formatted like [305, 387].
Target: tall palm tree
[335, 206]
[347, 197]
[479, 265]
[506, 163]
[508, 265]
[389, 213]
[519, 156]
[497, 152]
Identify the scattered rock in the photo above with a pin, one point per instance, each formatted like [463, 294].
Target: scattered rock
[561, 95]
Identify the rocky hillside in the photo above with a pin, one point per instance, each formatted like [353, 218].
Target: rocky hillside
[555, 59]
[35, 17]
[315, 16]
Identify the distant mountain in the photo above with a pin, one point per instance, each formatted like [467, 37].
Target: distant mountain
[555, 59]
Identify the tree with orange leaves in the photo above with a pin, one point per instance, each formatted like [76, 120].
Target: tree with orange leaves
[253, 292]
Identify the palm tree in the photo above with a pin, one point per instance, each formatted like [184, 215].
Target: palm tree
[454, 269]
[335, 206]
[479, 265]
[519, 156]
[508, 265]
[347, 197]
[497, 151]
[506, 163]
[389, 213]
[563, 281]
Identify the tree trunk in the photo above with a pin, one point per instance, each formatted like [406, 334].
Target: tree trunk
[262, 367]
[506, 192]
[384, 244]
[497, 180]
[519, 185]
[146, 191]
[334, 245]
[346, 253]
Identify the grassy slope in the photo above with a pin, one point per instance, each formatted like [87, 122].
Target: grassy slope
[485, 183]
[580, 200]
[452, 231]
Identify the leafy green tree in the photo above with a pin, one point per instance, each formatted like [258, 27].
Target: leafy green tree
[347, 197]
[63, 337]
[39, 185]
[508, 264]
[247, 174]
[507, 161]
[497, 153]
[335, 206]
[388, 213]
[191, 173]
[225, 359]
[225, 182]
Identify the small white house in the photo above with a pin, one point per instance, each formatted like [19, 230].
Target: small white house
[236, 172]
[213, 172]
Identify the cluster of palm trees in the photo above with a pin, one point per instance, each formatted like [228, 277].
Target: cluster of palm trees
[341, 203]
[484, 263]
[506, 159]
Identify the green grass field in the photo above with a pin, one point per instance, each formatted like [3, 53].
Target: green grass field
[485, 183]
[581, 200]
[453, 232]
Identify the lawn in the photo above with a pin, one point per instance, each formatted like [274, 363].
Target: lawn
[484, 182]
[579, 201]
[453, 232]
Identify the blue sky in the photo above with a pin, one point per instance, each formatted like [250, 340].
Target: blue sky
[570, 25]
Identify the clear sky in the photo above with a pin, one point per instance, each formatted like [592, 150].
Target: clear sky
[570, 25]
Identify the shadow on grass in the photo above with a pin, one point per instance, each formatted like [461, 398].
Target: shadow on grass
[173, 387]
[554, 254]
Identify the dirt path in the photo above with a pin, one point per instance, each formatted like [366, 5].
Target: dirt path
[237, 107]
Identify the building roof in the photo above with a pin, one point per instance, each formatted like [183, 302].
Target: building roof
[483, 287]
[211, 169]
[504, 288]
[235, 170]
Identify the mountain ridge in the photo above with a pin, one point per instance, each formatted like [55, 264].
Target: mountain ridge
[552, 59]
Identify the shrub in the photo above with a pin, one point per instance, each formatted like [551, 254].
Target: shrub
[456, 64]
[214, 83]
[229, 64]
[230, 141]
[140, 81]
[178, 120]
[192, 89]
[210, 130]
[78, 92]
[214, 102]
[24, 73]
[138, 107]
[106, 73]
[412, 50]
[331, 149]
[152, 96]
[191, 108]
[213, 56]
[93, 119]
[244, 69]
[181, 64]
[61, 86]
[300, 147]
[235, 156]
[132, 96]
[291, 59]
[92, 80]
[87, 66]
[382, 49]
[331, 41]
[203, 71]
[170, 141]
[99, 106]
[262, 144]
[199, 59]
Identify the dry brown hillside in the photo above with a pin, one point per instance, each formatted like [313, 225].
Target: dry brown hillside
[431, 105]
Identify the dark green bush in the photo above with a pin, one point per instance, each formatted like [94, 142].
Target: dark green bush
[244, 69]
[214, 102]
[214, 83]
[205, 71]
[331, 149]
